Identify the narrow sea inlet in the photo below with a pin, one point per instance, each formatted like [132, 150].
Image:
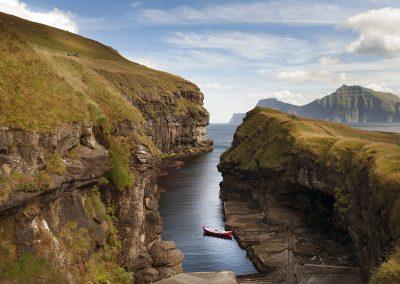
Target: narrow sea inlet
[191, 200]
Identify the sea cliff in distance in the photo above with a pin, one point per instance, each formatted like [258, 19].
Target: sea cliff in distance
[348, 104]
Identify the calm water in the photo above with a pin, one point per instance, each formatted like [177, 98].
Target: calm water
[191, 200]
[386, 127]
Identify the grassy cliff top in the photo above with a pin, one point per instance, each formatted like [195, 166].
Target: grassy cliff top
[358, 160]
[269, 138]
[49, 77]
[57, 39]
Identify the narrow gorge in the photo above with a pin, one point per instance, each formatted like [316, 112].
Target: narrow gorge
[108, 174]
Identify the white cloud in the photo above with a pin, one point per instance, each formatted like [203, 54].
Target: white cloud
[247, 45]
[293, 11]
[55, 17]
[328, 60]
[381, 87]
[378, 30]
[294, 76]
[213, 86]
[286, 96]
[302, 76]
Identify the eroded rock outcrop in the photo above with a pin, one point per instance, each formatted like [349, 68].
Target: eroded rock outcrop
[56, 203]
[327, 178]
[81, 142]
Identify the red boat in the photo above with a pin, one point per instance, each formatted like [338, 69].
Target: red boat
[217, 233]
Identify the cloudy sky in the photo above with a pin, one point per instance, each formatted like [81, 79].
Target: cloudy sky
[241, 51]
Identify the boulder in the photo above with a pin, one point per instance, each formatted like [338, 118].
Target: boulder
[147, 275]
[165, 253]
[166, 272]
[143, 261]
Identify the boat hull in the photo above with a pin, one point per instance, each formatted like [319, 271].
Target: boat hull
[219, 234]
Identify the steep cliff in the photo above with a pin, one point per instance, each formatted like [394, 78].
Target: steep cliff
[82, 133]
[339, 181]
[351, 104]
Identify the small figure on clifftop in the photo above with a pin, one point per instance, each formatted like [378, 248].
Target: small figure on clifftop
[75, 54]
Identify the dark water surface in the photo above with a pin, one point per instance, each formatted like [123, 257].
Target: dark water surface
[191, 200]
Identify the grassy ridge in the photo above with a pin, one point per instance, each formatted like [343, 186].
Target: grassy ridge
[50, 77]
[42, 85]
[56, 39]
[268, 135]
[270, 139]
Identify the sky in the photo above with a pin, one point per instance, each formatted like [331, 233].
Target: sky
[241, 51]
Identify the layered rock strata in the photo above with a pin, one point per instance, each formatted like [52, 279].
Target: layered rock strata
[324, 186]
[81, 143]
[53, 196]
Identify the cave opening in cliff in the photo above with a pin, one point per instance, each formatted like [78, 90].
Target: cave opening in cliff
[317, 211]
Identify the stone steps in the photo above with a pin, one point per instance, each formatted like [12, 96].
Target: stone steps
[287, 254]
[240, 220]
[326, 274]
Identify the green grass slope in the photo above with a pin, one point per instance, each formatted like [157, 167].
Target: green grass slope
[42, 85]
[269, 139]
[269, 135]
[50, 77]
[57, 39]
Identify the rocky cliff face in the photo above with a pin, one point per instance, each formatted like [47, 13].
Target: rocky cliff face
[350, 104]
[81, 141]
[335, 180]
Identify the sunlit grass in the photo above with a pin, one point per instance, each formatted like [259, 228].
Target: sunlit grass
[269, 139]
[43, 86]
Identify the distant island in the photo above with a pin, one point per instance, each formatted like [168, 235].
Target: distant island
[349, 104]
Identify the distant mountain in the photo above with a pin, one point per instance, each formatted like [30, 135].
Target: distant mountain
[352, 104]
[355, 104]
[237, 118]
[271, 103]
[275, 104]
